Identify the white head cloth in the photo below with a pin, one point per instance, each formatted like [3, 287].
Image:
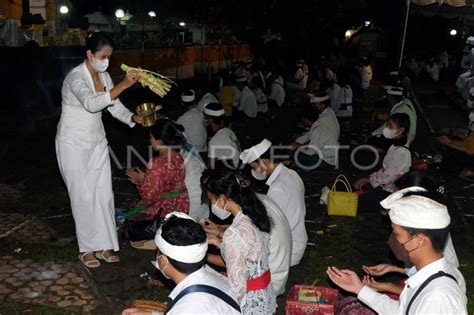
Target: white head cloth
[158, 107]
[253, 153]
[185, 254]
[188, 98]
[213, 112]
[395, 91]
[241, 79]
[416, 211]
[470, 40]
[317, 99]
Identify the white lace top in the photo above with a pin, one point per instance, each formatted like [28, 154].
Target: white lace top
[245, 250]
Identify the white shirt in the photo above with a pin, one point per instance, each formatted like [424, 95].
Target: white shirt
[208, 98]
[286, 188]
[224, 145]
[262, 101]
[237, 93]
[194, 167]
[324, 135]
[201, 302]
[345, 97]
[81, 116]
[396, 162]
[442, 296]
[194, 130]
[248, 102]
[449, 253]
[405, 106]
[280, 244]
[333, 93]
[277, 92]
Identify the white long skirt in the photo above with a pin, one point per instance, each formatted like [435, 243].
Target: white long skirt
[88, 178]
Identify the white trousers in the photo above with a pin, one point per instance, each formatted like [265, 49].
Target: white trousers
[88, 179]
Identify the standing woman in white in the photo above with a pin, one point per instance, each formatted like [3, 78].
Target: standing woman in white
[82, 149]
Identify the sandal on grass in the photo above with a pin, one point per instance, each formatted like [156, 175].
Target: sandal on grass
[110, 258]
[90, 263]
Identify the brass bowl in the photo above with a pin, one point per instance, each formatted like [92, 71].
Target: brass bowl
[147, 112]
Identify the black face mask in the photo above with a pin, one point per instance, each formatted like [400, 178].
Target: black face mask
[399, 250]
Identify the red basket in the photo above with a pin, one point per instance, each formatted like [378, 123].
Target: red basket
[295, 307]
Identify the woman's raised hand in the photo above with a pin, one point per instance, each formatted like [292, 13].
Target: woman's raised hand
[131, 78]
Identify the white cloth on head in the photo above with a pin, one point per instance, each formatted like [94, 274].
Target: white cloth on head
[208, 98]
[224, 145]
[280, 244]
[399, 194]
[318, 99]
[442, 296]
[323, 135]
[286, 188]
[252, 154]
[248, 103]
[83, 157]
[188, 98]
[202, 302]
[194, 130]
[418, 212]
[188, 254]
[194, 167]
[214, 112]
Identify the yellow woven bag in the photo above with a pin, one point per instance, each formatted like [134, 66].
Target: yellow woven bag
[342, 203]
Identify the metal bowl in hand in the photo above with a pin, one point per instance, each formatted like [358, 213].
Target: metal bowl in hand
[147, 111]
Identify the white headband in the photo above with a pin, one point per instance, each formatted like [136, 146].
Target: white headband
[158, 107]
[416, 211]
[252, 154]
[214, 113]
[317, 99]
[186, 254]
[399, 194]
[241, 79]
[395, 91]
[188, 98]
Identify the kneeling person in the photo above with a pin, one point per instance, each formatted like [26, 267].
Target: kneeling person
[182, 245]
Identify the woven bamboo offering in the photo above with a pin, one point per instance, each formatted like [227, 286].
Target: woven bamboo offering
[150, 306]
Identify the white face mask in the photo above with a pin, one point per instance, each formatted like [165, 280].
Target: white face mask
[100, 65]
[389, 133]
[157, 266]
[219, 212]
[258, 174]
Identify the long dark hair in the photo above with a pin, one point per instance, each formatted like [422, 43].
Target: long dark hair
[169, 132]
[97, 40]
[223, 181]
[402, 120]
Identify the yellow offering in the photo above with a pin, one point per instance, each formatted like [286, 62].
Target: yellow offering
[309, 295]
[156, 82]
